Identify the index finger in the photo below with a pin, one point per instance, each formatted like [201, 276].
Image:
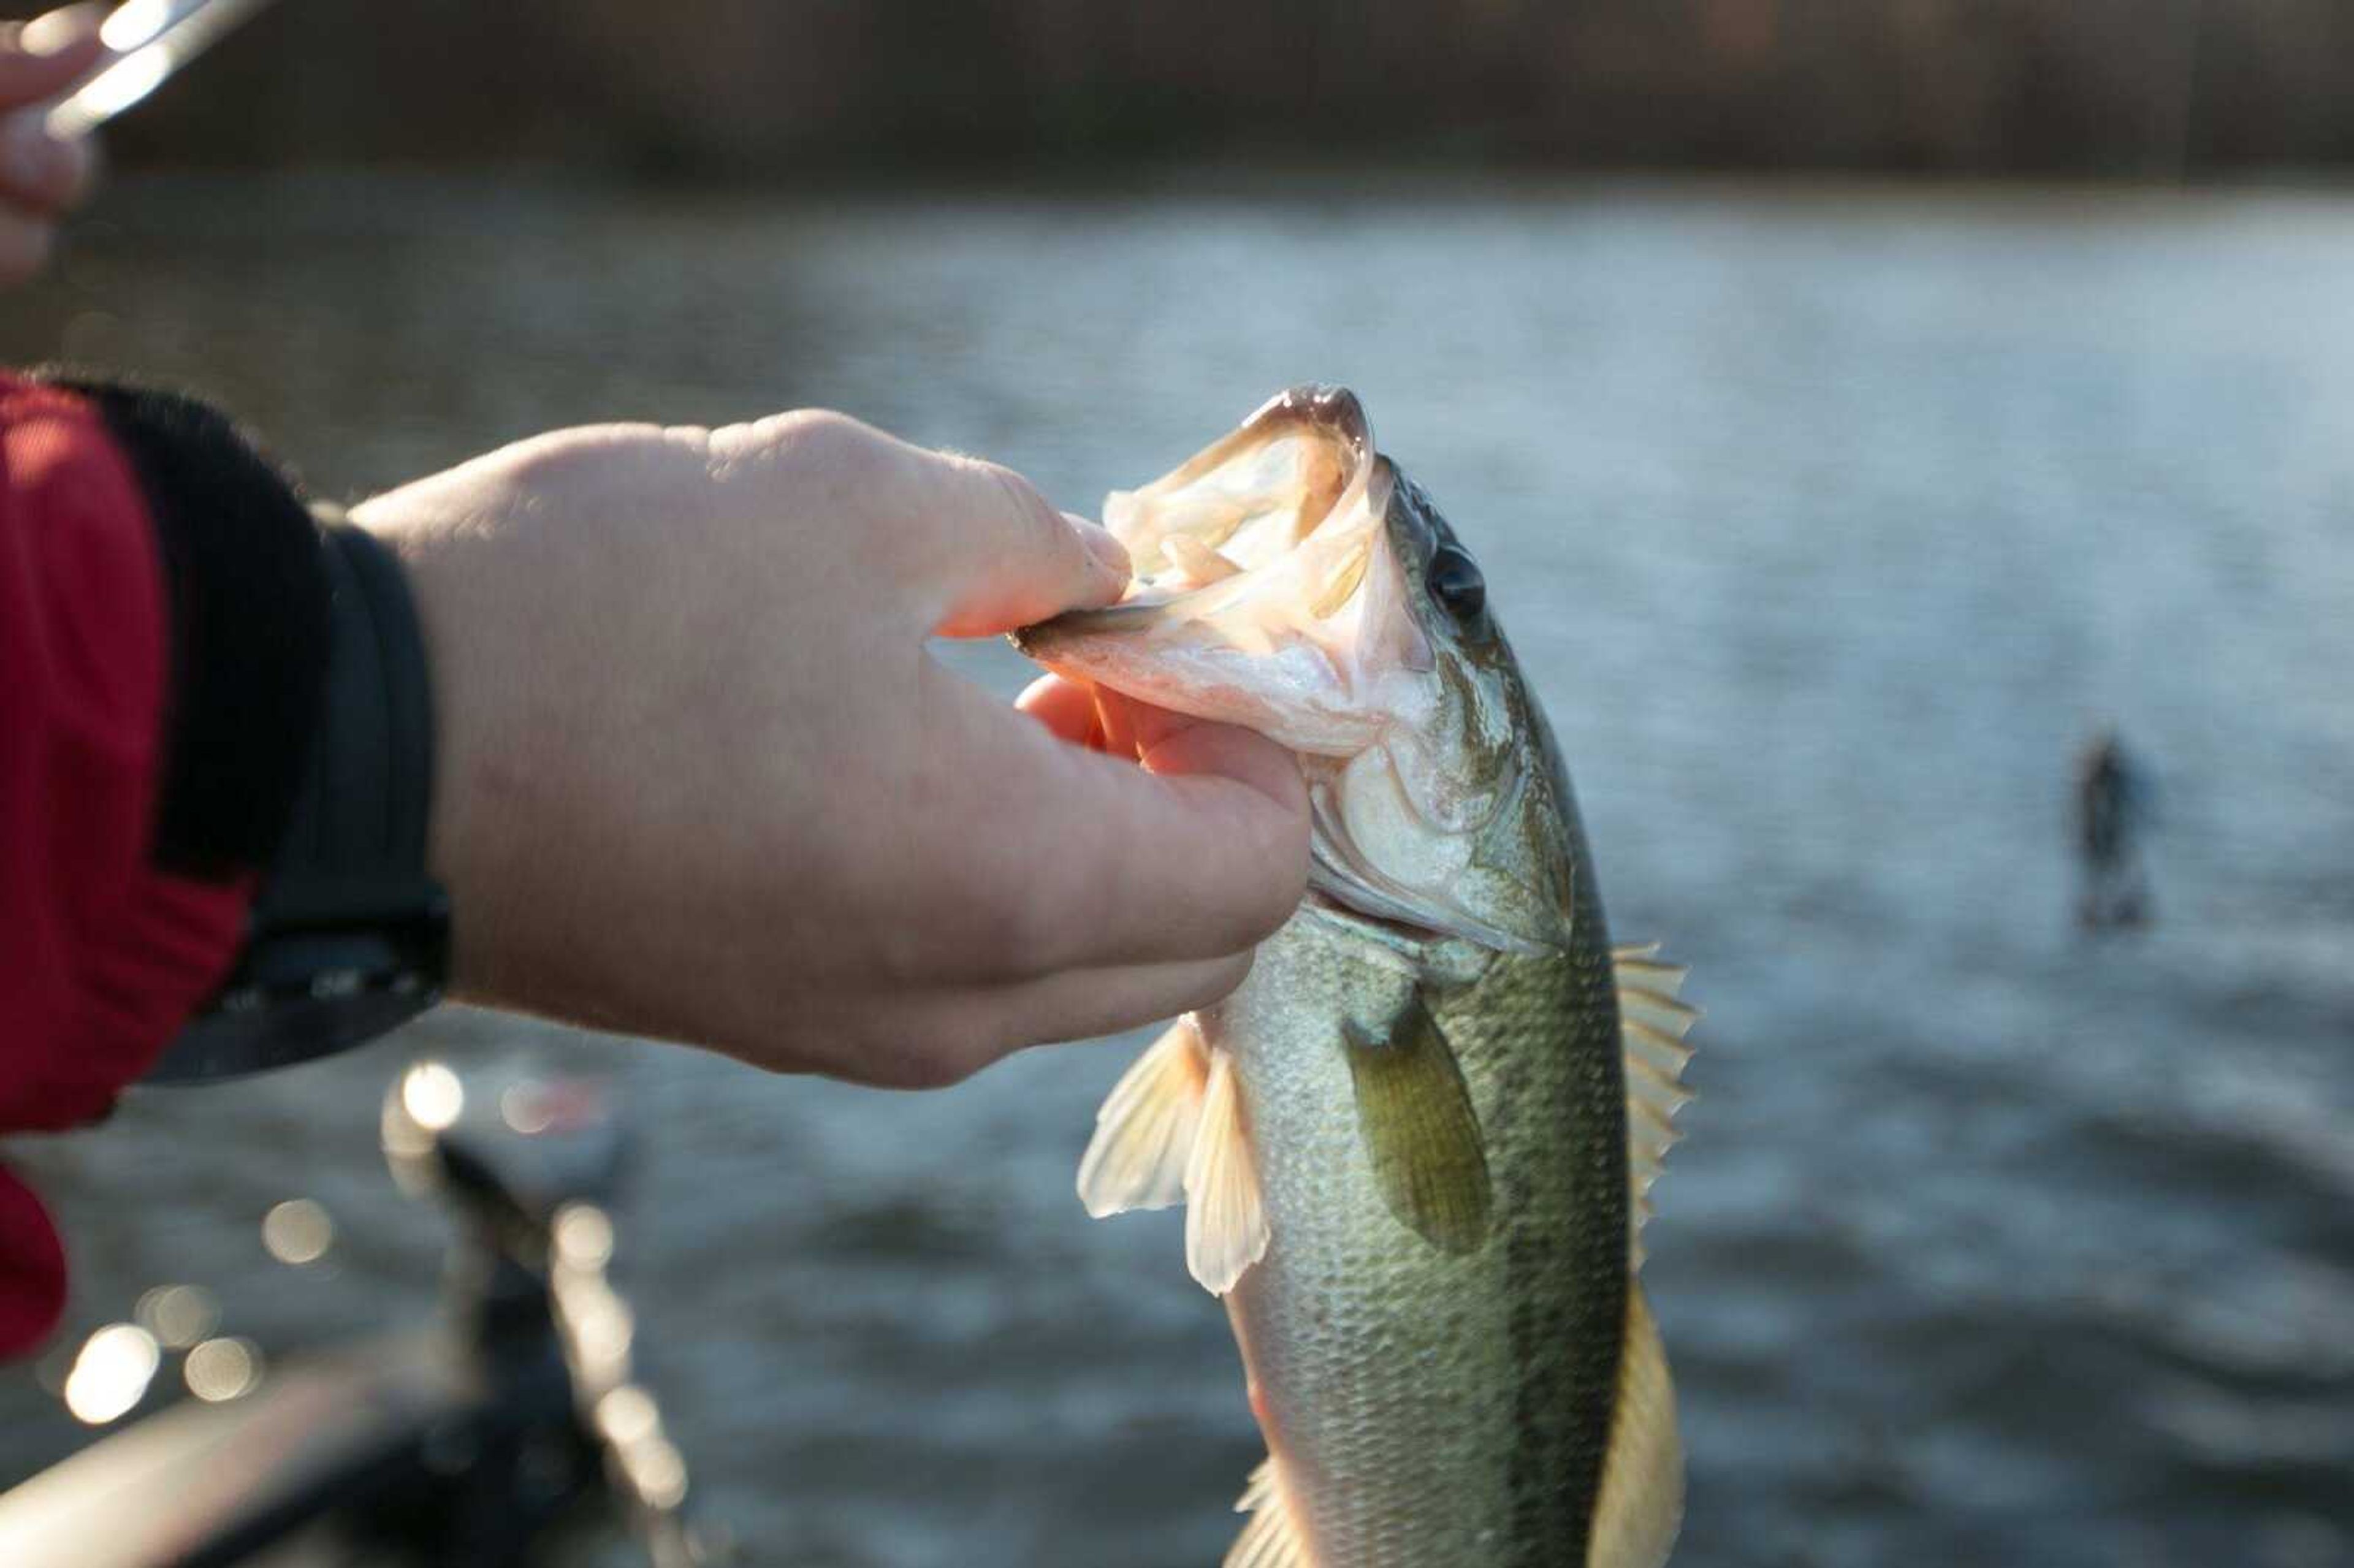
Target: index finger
[1197, 851]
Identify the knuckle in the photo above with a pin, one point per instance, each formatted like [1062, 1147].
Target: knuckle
[1013, 510]
[1040, 525]
[821, 440]
[583, 453]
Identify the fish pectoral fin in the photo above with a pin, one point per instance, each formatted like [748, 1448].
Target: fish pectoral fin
[1420, 1131]
[1641, 1504]
[1652, 1022]
[1225, 1223]
[1271, 1538]
[1144, 1133]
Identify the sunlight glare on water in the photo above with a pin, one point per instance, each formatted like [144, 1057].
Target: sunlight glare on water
[111, 1375]
[179, 1315]
[433, 1096]
[222, 1369]
[298, 1231]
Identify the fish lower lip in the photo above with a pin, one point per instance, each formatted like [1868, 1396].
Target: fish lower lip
[1128, 615]
[1405, 931]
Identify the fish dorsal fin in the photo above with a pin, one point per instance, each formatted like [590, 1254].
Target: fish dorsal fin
[1641, 1504]
[1225, 1223]
[1271, 1538]
[1653, 1023]
[1144, 1133]
[1420, 1131]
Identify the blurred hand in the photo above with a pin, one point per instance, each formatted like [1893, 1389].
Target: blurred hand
[700, 778]
[40, 178]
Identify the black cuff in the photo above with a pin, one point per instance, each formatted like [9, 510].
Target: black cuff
[298, 741]
[366, 794]
[248, 594]
[349, 935]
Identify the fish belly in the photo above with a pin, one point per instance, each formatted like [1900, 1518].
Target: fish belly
[1426, 1408]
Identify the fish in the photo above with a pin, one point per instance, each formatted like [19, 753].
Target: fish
[1417, 1145]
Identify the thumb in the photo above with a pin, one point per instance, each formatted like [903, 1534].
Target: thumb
[997, 554]
[46, 56]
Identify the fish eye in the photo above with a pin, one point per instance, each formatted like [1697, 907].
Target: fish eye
[1455, 581]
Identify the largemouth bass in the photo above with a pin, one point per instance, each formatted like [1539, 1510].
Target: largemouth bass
[1415, 1146]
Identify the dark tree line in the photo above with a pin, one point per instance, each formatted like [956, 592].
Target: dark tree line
[2124, 87]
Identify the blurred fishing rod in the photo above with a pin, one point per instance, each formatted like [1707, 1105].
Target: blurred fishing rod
[148, 42]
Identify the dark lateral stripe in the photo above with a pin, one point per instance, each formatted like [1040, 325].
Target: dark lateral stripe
[1568, 1339]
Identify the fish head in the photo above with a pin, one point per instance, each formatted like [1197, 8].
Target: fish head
[1290, 579]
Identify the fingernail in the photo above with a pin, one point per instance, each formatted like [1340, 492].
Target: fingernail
[58, 31]
[1109, 552]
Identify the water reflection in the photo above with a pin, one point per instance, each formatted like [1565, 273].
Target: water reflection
[298, 1231]
[135, 21]
[584, 1237]
[221, 1370]
[1823, 519]
[177, 1315]
[112, 1375]
[432, 1095]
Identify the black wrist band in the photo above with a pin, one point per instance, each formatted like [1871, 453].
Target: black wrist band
[348, 937]
[248, 607]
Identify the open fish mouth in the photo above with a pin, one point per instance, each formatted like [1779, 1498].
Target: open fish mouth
[1290, 581]
[1269, 592]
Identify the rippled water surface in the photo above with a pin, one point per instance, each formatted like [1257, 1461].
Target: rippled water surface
[1829, 523]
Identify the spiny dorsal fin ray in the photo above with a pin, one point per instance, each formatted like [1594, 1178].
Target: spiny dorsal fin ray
[1270, 1539]
[1642, 1502]
[1652, 1000]
[1653, 1021]
[1420, 1132]
[1225, 1223]
[1144, 1133]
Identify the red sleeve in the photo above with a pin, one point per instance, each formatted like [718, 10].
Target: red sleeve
[102, 956]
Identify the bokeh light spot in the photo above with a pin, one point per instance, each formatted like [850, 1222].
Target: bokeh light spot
[132, 24]
[584, 1235]
[432, 1095]
[111, 1375]
[626, 1415]
[220, 1369]
[177, 1315]
[298, 1231]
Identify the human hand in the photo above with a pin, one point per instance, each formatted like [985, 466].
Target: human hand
[698, 777]
[39, 177]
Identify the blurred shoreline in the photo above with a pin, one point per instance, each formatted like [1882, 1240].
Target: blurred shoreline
[304, 194]
[2112, 88]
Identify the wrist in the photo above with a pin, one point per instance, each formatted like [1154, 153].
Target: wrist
[348, 936]
[438, 595]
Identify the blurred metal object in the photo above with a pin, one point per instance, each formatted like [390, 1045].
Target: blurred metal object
[149, 40]
[487, 1444]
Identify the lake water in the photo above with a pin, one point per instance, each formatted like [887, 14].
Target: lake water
[1829, 521]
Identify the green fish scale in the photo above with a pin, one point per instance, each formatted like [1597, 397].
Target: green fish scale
[1426, 1408]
